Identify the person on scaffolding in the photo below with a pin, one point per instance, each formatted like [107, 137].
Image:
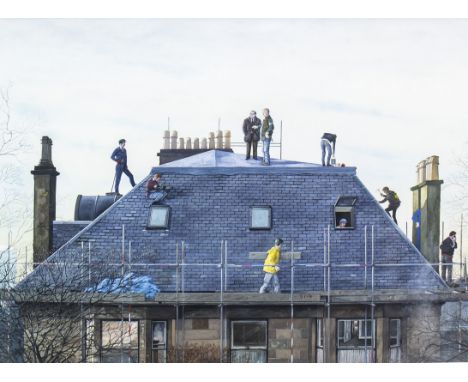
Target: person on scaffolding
[271, 268]
[393, 202]
[448, 247]
[119, 155]
[327, 144]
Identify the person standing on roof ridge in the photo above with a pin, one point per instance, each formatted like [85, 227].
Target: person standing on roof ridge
[327, 144]
[267, 133]
[251, 129]
[119, 155]
[271, 267]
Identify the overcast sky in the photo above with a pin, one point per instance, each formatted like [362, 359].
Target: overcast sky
[394, 91]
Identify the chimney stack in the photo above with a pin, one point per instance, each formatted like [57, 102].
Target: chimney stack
[45, 187]
[426, 209]
[175, 148]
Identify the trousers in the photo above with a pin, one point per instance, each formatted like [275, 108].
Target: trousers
[269, 277]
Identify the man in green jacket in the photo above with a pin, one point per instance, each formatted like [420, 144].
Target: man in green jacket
[267, 132]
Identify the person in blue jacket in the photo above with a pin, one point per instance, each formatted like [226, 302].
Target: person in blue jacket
[119, 155]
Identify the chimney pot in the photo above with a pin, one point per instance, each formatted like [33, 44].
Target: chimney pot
[432, 168]
[174, 140]
[204, 144]
[188, 144]
[166, 139]
[227, 139]
[196, 144]
[421, 172]
[219, 140]
[211, 141]
[46, 157]
[181, 144]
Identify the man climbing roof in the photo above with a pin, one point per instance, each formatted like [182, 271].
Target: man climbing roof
[393, 202]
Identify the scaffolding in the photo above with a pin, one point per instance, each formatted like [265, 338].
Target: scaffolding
[369, 265]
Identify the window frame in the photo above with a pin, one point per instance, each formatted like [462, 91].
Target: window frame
[398, 336]
[263, 322]
[319, 333]
[159, 349]
[270, 216]
[102, 349]
[360, 335]
[158, 206]
[348, 209]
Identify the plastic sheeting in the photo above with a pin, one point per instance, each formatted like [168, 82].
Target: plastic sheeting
[128, 283]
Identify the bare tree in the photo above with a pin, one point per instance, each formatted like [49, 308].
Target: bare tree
[15, 212]
[444, 337]
[48, 317]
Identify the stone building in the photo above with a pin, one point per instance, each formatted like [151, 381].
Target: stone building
[359, 293]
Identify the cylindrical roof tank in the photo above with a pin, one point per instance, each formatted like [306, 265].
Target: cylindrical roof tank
[90, 207]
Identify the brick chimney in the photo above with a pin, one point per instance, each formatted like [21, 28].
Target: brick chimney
[45, 186]
[172, 151]
[426, 209]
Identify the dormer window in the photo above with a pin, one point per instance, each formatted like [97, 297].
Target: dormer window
[344, 213]
[260, 218]
[158, 217]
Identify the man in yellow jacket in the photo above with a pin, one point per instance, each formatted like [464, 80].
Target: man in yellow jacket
[271, 268]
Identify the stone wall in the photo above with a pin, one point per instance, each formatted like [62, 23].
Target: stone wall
[279, 340]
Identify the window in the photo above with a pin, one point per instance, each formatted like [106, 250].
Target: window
[344, 212]
[319, 333]
[119, 341]
[395, 340]
[260, 217]
[159, 341]
[319, 350]
[158, 217]
[356, 333]
[248, 341]
[395, 332]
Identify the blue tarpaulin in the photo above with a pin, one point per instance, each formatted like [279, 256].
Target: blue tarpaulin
[128, 283]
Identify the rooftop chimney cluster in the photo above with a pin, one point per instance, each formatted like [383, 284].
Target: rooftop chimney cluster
[428, 169]
[219, 140]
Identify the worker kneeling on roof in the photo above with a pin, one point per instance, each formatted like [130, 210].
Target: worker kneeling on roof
[271, 267]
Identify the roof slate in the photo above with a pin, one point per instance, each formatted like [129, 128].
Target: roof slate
[210, 210]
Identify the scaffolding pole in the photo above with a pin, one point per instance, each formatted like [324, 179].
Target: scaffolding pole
[291, 297]
[328, 337]
[182, 252]
[372, 293]
[122, 260]
[221, 298]
[365, 257]
[281, 140]
[177, 323]
[461, 245]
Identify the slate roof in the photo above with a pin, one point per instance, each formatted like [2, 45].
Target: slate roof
[210, 201]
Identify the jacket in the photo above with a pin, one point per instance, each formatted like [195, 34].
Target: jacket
[267, 127]
[392, 199]
[120, 156]
[251, 134]
[448, 247]
[330, 138]
[272, 260]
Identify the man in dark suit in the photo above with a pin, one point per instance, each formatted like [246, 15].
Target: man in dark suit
[251, 130]
[119, 155]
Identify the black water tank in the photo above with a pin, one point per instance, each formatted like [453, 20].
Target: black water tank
[90, 207]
